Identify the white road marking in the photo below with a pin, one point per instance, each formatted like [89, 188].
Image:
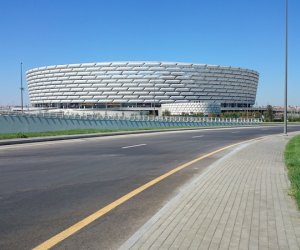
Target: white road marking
[197, 136]
[133, 146]
[265, 129]
[235, 132]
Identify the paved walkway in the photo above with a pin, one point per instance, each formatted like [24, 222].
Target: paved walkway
[240, 202]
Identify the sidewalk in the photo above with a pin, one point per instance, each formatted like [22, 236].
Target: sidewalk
[240, 202]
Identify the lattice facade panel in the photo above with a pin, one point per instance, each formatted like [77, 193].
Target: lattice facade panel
[145, 82]
[192, 108]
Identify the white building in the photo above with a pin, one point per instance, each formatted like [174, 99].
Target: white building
[141, 85]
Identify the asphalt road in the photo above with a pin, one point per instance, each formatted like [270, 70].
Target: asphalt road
[47, 187]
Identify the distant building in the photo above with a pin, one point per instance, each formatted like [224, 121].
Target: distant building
[142, 86]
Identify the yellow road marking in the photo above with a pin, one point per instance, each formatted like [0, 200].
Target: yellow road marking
[91, 218]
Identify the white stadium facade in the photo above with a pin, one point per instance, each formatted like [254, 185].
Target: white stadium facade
[177, 87]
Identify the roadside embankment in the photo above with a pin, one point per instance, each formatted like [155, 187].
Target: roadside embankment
[292, 160]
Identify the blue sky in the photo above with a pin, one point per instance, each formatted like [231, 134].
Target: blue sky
[242, 33]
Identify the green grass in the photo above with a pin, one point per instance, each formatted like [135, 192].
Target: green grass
[84, 131]
[292, 160]
[70, 132]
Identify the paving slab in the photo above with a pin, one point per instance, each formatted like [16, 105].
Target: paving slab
[239, 202]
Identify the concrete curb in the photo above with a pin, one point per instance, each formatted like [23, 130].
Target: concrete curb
[82, 136]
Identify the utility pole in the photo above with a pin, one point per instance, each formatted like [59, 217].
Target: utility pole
[22, 89]
[286, 68]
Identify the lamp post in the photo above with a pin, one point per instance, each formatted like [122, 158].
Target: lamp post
[286, 68]
[22, 89]
[154, 101]
[247, 106]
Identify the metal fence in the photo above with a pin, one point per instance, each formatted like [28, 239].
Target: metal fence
[14, 122]
[170, 119]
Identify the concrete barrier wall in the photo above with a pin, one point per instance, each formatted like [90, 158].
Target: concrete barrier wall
[15, 124]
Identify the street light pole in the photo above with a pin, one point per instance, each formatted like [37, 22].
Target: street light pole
[247, 106]
[286, 68]
[22, 89]
[154, 101]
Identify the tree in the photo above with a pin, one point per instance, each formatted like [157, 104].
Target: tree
[166, 113]
[269, 116]
[199, 114]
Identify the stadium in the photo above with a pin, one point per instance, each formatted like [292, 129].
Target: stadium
[142, 86]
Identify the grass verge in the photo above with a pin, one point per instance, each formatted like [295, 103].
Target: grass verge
[72, 132]
[90, 131]
[292, 161]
